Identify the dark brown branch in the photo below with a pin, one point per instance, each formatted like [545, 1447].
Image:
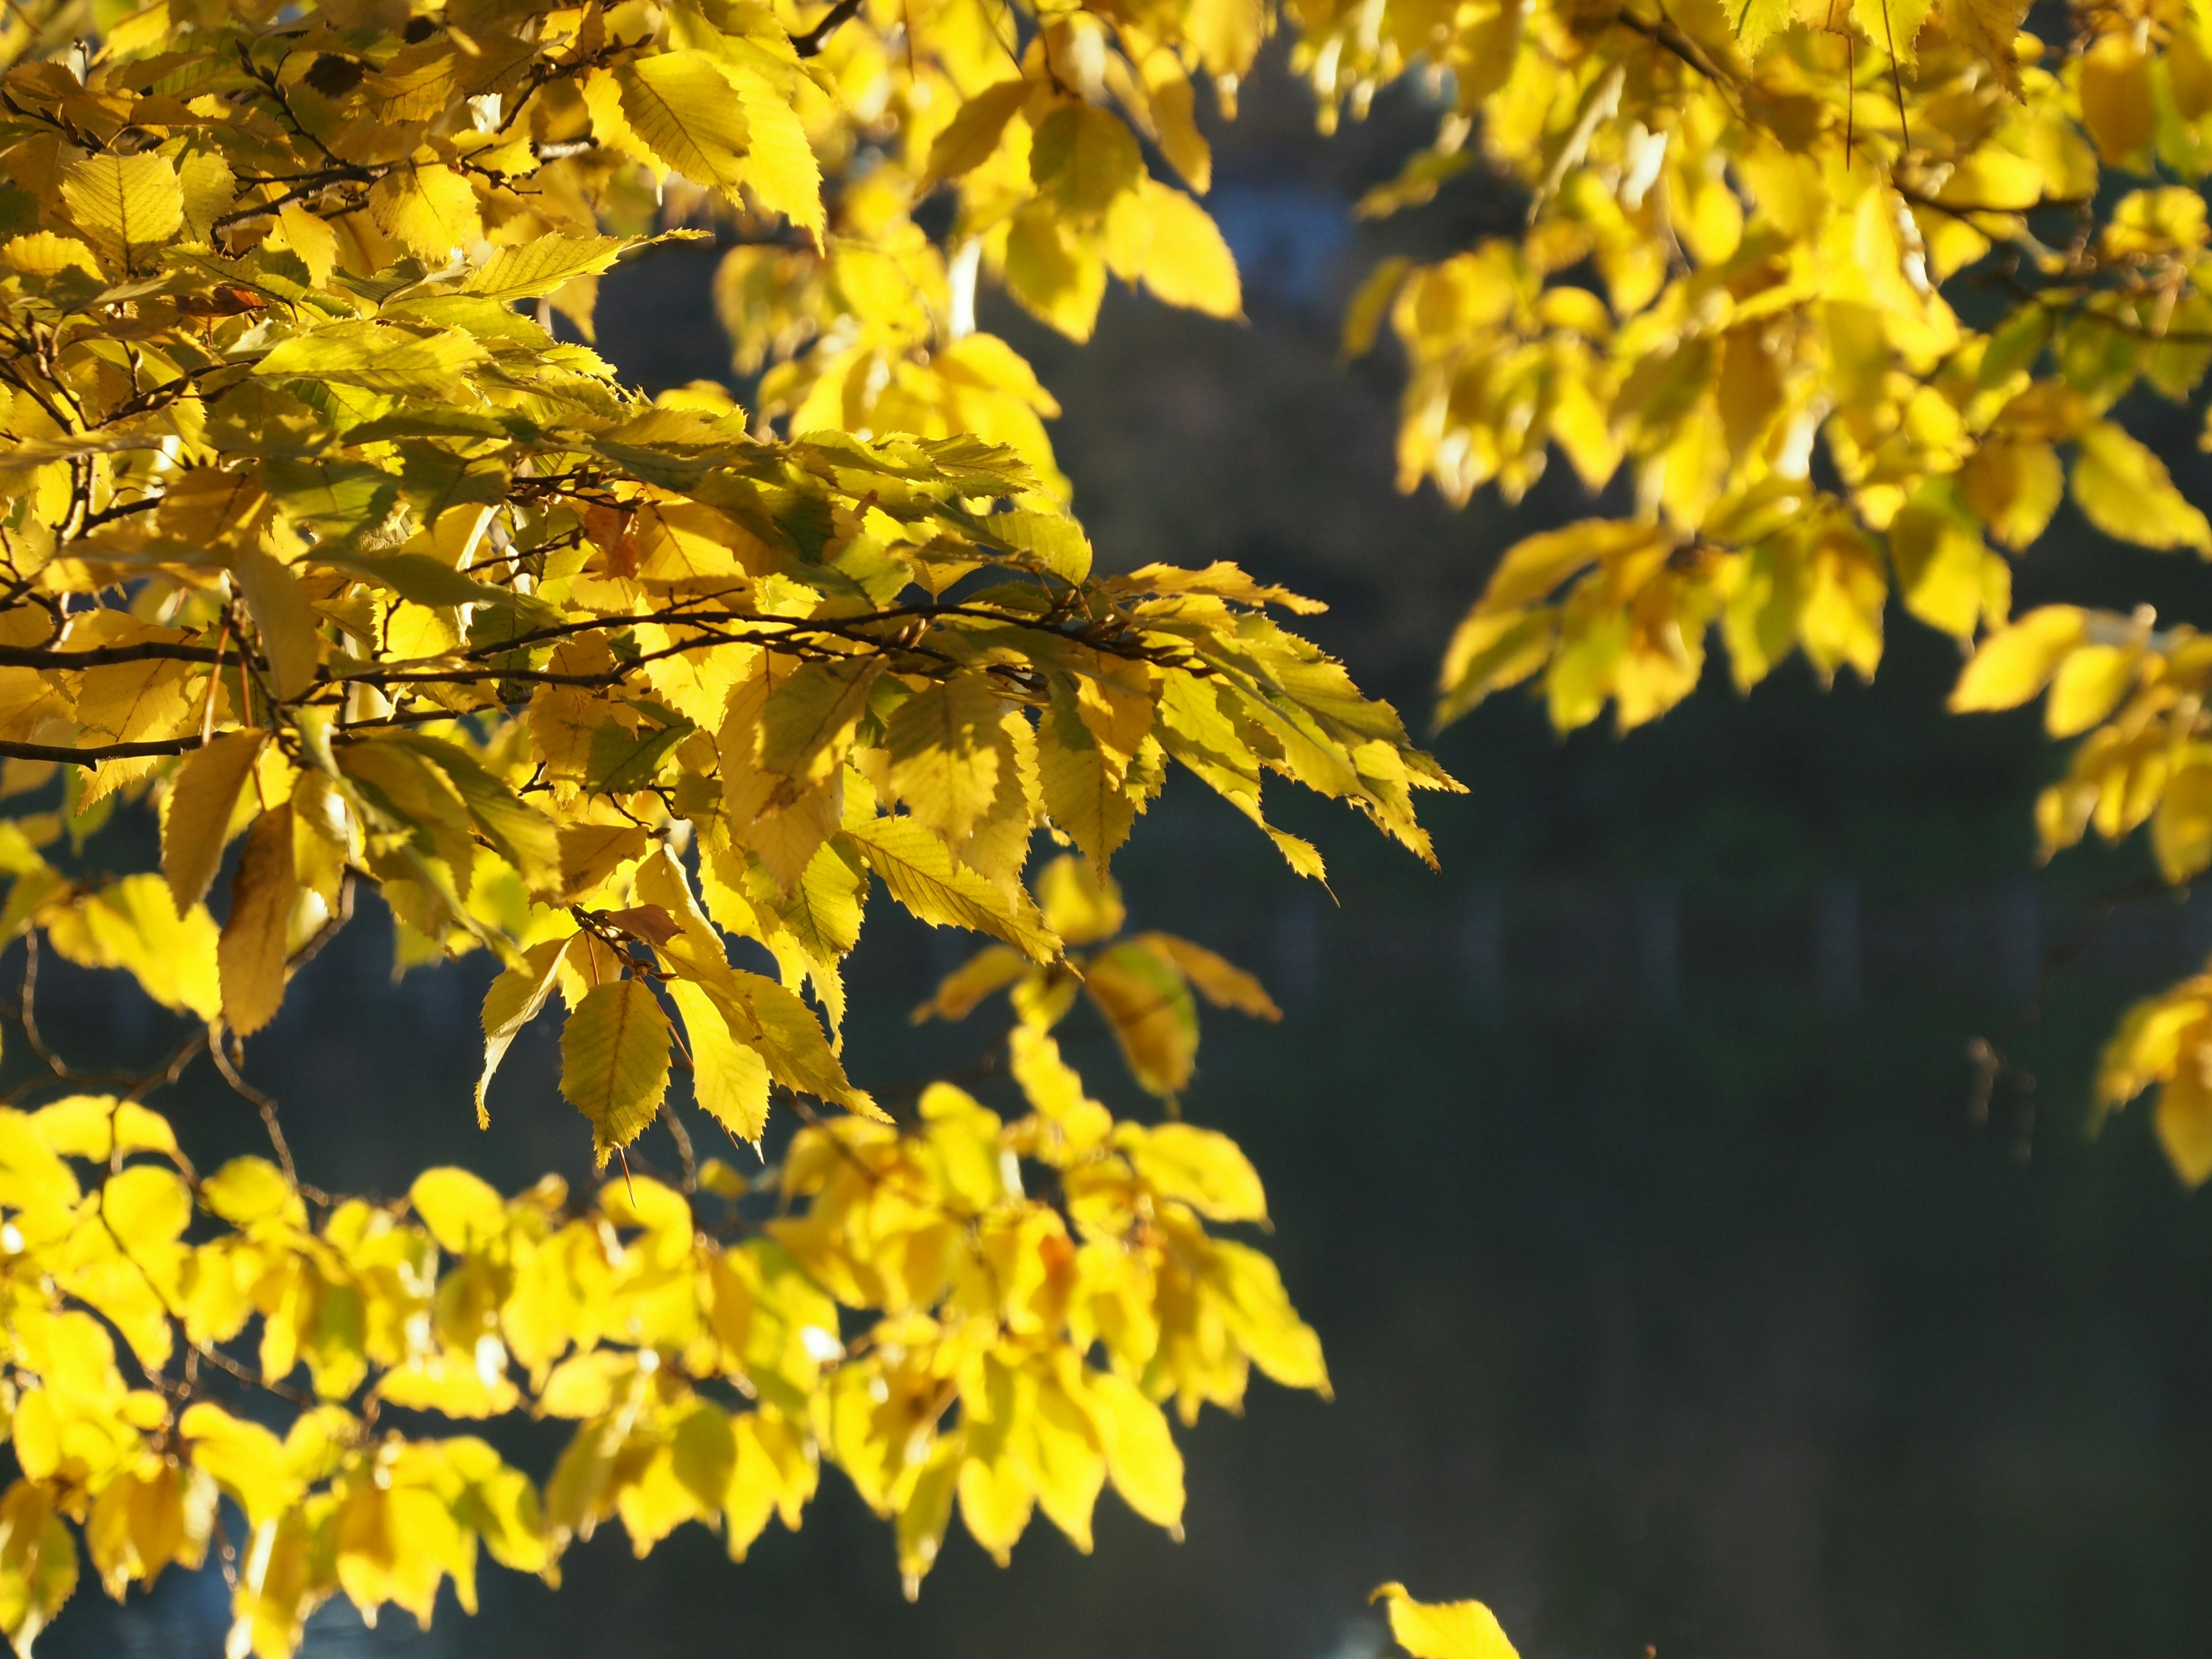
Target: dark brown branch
[67, 756]
[811, 42]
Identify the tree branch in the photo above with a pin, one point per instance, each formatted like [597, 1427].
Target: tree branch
[807, 45]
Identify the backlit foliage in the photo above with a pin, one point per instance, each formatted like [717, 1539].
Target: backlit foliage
[1840, 301]
[326, 546]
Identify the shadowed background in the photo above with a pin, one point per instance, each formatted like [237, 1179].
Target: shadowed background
[1683, 1281]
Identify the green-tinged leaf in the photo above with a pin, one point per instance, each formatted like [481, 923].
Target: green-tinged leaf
[1148, 1004]
[614, 1061]
[1083, 157]
[38, 1564]
[537, 268]
[376, 357]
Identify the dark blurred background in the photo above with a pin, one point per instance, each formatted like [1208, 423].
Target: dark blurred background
[1686, 1283]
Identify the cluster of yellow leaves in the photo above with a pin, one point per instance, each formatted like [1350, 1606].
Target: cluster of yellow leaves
[318, 542]
[2137, 692]
[377, 577]
[1745, 236]
[1141, 986]
[909, 1313]
[1853, 296]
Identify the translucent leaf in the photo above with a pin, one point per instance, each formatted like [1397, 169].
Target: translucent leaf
[921, 875]
[428, 209]
[134, 925]
[462, 1211]
[614, 1061]
[1079, 905]
[128, 204]
[537, 268]
[729, 1079]
[1141, 1458]
[515, 999]
[681, 106]
[1148, 1002]
[1199, 1167]
[944, 747]
[287, 624]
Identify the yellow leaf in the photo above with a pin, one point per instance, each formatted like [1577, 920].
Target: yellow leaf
[614, 1061]
[462, 1211]
[312, 239]
[1939, 569]
[289, 626]
[1079, 905]
[2126, 492]
[944, 747]
[682, 107]
[1148, 1002]
[247, 1190]
[538, 268]
[2181, 829]
[1991, 28]
[196, 821]
[515, 999]
[2013, 488]
[38, 1564]
[1227, 33]
[134, 925]
[2117, 105]
[99, 1127]
[1185, 261]
[1444, 1629]
[429, 209]
[1199, 1167]
[993, 969]
[1052, 277]
[779, 169]
[1223, 984]
[128, 204]
[246, 1460]
[1083, 158]
[2088, 685]
[2015, 662]
[728, 1079]
[970, 137]
[1141, 1458]
[2184, 1122]
[256, 940]
[921, 875]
